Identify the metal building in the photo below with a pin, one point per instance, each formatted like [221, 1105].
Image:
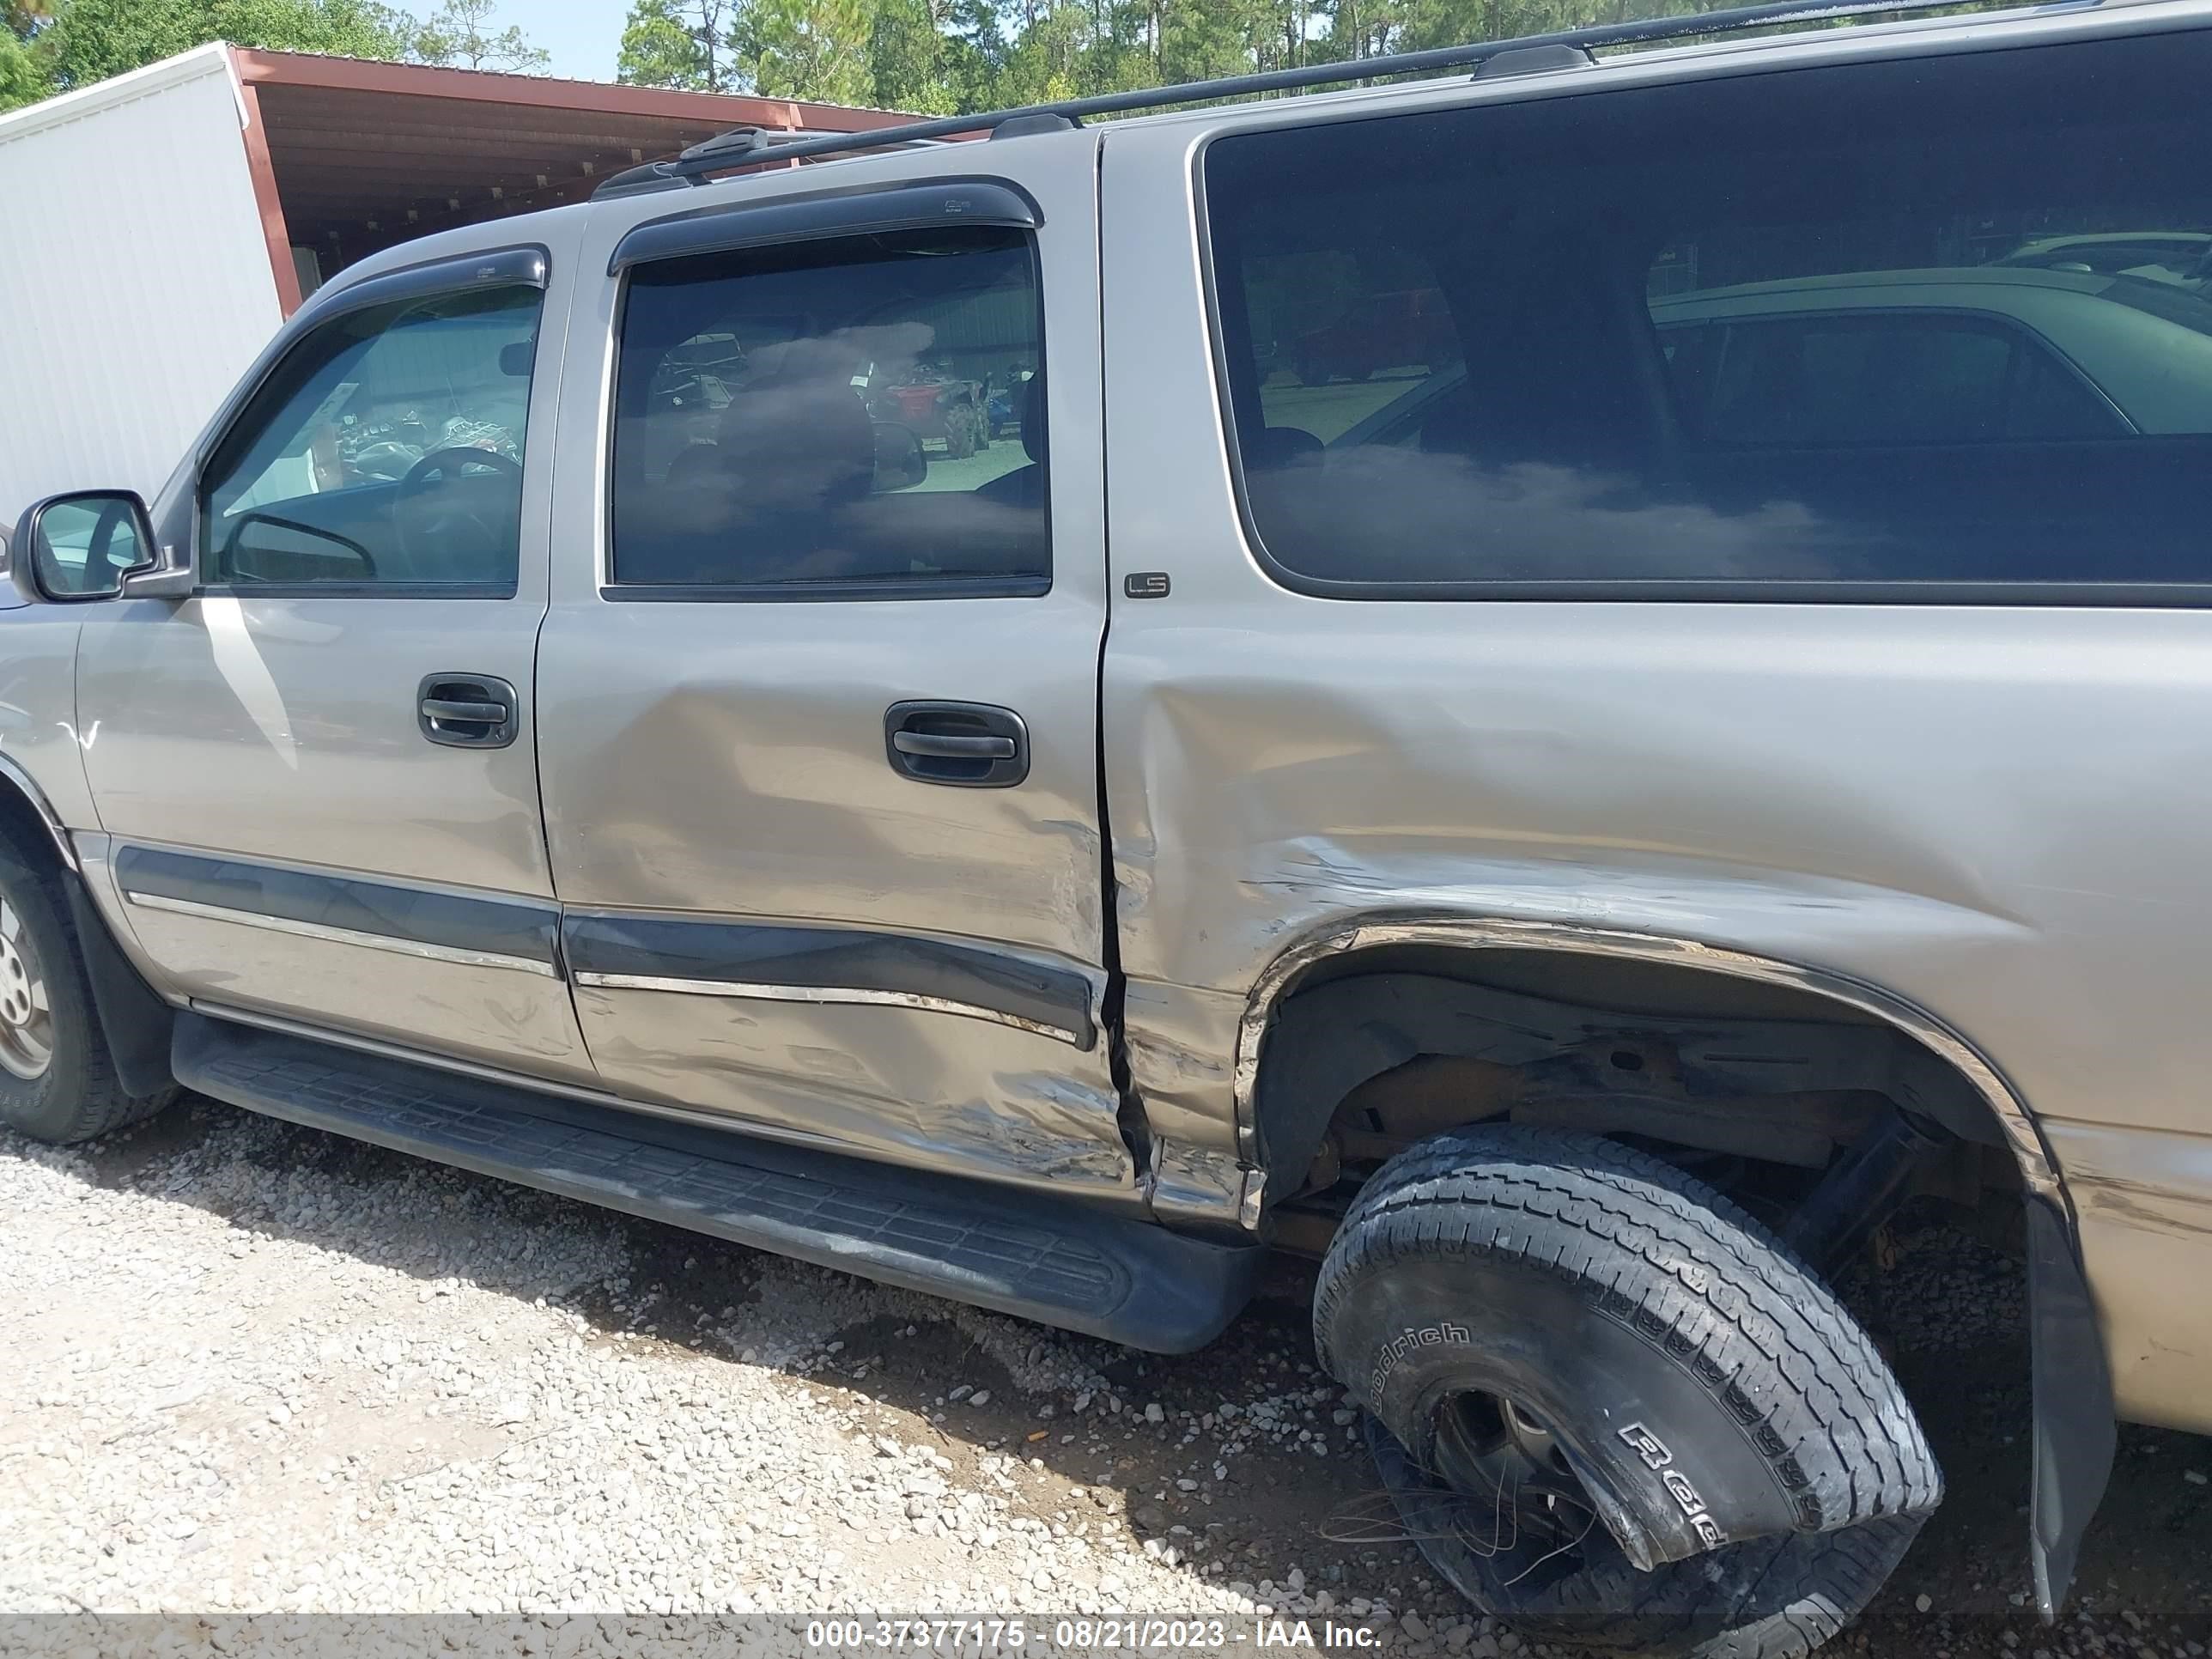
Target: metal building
[161, 224]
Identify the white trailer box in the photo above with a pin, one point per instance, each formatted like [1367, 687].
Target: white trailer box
[135, 278]
[156, 230]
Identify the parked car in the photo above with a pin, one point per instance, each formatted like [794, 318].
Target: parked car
[939, 407]
[1380, 331]
[1982, 354]
[1002, 405]
[1584, 850]
[2183, 252]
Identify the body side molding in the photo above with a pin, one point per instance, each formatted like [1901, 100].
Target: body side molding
[485, 931]
[780, 962]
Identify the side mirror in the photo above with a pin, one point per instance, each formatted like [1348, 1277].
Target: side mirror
[82, 545]
[899, 461]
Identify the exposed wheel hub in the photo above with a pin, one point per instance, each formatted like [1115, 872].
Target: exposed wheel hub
[1521, 1497]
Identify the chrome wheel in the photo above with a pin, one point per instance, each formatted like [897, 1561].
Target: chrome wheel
[27, 1020]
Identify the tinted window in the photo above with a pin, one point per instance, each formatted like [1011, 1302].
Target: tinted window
[806, 418]
[1883, 324]
[386, 449]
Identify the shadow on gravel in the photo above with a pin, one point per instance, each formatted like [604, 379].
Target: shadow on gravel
[918, 1360]
[1948, 1310]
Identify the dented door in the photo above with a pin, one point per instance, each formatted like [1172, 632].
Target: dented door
[819, 677]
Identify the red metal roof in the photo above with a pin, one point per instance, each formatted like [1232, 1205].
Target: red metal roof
[351, 156]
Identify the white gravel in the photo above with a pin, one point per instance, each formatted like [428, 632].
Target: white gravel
[251, 1372]
[260, 1370]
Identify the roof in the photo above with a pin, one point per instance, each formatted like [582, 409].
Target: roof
[1729, 38]
[1873, 285]
[368, 154]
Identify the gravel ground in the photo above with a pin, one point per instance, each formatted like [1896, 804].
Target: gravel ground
[249, 1368]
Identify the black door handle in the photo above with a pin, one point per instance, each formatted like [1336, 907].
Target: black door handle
[968, 746]
[945, 746]
[446, 711]
[467, 711]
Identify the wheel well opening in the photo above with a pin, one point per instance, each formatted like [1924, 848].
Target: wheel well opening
[25, 826]
[1805, 1110]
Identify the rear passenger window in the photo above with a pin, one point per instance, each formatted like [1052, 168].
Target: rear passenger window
[834, 419]
[1623, 338]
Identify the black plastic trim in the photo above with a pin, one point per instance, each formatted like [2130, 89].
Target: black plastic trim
[918, 721]
[1034, 1255]
[1535, 60]
[730, 225]
[895, 587]
[529, 265]
[138, 1025]
[829, 959]
[2076, 1430]
[358, 590]
[496, 926]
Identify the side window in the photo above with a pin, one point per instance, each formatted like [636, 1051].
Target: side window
[385, 451]
[1566, 345]
[834, 417]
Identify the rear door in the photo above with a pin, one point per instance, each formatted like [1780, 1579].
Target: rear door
[316, 773]
[819, 678]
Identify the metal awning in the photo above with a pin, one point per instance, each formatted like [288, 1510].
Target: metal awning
[350, 156]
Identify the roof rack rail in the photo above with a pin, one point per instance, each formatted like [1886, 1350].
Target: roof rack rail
[750, 146]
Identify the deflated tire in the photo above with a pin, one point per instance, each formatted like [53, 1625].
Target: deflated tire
[1610, 1407]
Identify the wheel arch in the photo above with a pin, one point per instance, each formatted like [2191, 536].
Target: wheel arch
[1346, 942]
[2074, 1415]
[24, 808]
[136, 1023]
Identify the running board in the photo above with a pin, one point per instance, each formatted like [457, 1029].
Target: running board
[1128, 1280]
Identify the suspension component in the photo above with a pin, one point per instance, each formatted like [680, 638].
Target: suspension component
[1862, 1190]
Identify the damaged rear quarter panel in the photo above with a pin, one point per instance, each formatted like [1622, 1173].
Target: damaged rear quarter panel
[1993, 814]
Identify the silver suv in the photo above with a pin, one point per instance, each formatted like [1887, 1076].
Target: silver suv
[1687, 734]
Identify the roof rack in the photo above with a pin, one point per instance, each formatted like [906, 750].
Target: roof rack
[750, 146]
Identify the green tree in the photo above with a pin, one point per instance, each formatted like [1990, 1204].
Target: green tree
[685, 44]
[23, 78]
[812, 49]
[461, 33]
[1068, 51]
[89, 40]
[908, 54]
[974, 52]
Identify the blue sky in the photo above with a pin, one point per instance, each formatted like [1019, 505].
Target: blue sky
[581, 35]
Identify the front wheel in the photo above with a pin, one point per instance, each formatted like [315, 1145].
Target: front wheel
[1611, 1408]
[57, 1082]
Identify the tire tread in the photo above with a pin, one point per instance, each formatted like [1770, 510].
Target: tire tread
[1723, 1291]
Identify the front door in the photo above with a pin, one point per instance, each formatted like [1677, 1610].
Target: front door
[316, 775]
[819, 678]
